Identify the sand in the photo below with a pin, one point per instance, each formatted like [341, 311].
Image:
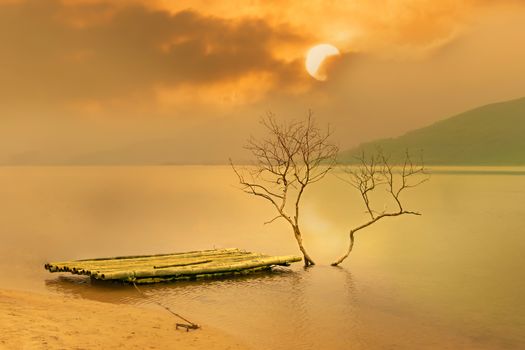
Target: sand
[34, 321]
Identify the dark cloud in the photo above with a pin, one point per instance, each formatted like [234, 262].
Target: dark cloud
[94, 51]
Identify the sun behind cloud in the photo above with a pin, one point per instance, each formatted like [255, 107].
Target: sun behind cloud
[315, 58]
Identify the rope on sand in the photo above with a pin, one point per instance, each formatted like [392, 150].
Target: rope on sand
[188, 324]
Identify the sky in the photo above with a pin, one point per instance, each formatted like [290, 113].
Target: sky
[165, 81]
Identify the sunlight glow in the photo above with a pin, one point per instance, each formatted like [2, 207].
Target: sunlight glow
[315, 58]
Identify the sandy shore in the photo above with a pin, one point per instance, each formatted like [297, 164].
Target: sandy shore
[34, 321]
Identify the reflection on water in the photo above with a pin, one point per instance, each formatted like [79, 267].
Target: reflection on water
[449, 279]
[119, 292]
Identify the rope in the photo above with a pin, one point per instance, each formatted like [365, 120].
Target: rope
[188, 325]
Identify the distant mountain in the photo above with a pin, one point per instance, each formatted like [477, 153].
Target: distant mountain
[490, 135]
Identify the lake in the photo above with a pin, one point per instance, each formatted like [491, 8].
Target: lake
[453, 278]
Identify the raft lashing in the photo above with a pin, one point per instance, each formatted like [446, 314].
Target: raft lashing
[171, 267]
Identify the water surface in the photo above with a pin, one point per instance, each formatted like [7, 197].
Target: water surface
[450, 279]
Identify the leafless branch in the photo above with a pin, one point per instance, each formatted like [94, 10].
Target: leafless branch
[290, 157]
[377, 171]
[272, 220]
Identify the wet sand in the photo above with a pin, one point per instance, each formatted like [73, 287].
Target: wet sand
[34, 321]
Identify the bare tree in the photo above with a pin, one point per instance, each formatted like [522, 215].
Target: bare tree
[291, 157]
[377, 172]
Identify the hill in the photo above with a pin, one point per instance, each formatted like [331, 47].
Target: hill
[490, 135]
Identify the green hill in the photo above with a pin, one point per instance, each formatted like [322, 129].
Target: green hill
[489, 135]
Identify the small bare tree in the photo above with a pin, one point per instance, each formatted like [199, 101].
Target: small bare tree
[377, 172]
[291, 157]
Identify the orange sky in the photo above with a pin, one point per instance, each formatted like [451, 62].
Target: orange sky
[186, 81]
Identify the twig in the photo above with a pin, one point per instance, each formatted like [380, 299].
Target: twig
[292, 156]
[188, 325]
[377, 171]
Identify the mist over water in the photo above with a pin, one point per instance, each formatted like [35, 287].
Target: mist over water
[452, 278]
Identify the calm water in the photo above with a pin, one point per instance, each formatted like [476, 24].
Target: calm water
[453, 278]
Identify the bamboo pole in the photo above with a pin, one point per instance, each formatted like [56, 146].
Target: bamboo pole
[150, 280]
[151, 265]
[80, 264]
[195, 270]
[162, 267]
[139, 258]
[196, 252]
[77, 268]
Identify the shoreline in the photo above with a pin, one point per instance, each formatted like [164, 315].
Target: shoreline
[35, 321]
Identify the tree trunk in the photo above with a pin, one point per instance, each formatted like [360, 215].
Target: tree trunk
[307, 259]
[350, 247]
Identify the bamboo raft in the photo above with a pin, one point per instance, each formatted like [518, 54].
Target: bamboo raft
[170, 267]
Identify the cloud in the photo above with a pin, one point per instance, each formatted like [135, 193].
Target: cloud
[98, 50]
[395, 28]
[102, 54]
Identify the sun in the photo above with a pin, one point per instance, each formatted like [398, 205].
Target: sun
[315, 58]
